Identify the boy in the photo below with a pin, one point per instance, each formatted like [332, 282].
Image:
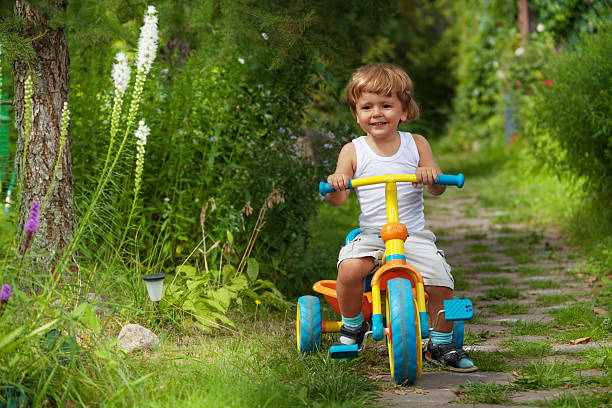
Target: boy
[380, 98]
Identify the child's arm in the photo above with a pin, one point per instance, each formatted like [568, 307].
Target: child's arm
[345, 169]
[428, 170]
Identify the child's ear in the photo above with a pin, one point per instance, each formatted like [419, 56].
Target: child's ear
[404, 116]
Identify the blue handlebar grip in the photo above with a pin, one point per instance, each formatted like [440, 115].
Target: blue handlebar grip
[325, 188]
[451, 180]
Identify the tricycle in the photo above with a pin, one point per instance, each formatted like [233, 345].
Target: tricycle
[394, 299]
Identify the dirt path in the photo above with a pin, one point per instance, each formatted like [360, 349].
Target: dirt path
[531, 303]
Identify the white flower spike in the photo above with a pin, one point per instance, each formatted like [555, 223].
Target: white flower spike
[121, 73]
[141, 140]
[147, 43]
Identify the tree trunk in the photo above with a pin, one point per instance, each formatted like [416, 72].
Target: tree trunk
[49, 72]
[523, 18]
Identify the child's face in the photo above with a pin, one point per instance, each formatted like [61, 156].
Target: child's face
[379, 115]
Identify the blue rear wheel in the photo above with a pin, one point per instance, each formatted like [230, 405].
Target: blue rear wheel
[308, 324]
[404, 339]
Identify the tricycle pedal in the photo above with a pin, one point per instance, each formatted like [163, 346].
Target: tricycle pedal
[458, 309]
[344, 351]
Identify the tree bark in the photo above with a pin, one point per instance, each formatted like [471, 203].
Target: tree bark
[523, 18]
[50, 74]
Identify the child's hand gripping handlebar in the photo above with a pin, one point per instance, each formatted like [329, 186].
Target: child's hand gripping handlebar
[444, 179]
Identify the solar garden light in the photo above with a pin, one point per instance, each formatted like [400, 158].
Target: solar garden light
[155, 285]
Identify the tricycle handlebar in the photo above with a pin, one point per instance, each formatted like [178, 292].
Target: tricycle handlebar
[444, 179]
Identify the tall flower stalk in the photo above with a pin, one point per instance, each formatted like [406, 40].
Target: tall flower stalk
[147, 48]
[121, 79]
[141, 135]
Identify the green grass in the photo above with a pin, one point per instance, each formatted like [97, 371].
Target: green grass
[260, 367]
[476, 236]
[522, 328]
[554, 299]
[486, 268]
[532, 270]
[577, 399]
[461, 283]
[497, 280]
[469, 211]
[475, 248]
[493, 361]
[524, 259]
[530, 238]
[480, 393]
[442, 242]
[501, 293]
[538, 284]
[514, 251]
[543, 376]
[482, 258]
[600, 358]
[524, 349]
[579, 314]
[507, 308]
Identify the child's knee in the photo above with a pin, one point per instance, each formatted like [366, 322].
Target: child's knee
[439, 292]
[355, 269]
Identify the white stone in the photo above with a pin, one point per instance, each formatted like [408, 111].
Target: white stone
[135, 337]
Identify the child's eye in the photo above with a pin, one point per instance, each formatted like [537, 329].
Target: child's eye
[386, 106]
[365, 107]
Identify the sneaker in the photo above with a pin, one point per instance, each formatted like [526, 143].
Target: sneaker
[449, 356]
[352, 335]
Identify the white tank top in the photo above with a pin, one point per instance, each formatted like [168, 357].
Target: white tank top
[372, 198]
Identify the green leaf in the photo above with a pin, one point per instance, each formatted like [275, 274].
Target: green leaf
[239, 283]
[8, 339]
[230, 237]
[193, 284]
[91, 319]
[228, 271]
[43, 328]
[252, 269]
[188, 270]
[224, 296]
[213, 303]
[78, 312]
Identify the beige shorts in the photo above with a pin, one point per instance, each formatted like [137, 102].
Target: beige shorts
[420, 250]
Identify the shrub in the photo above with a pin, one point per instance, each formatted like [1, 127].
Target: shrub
[572, 115]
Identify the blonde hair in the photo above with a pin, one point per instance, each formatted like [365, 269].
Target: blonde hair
[384, 80]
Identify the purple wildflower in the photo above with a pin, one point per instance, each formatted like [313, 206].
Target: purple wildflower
[31, 225]
[5, 293]
[213, 138]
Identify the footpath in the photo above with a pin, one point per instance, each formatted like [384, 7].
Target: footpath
[538, 335]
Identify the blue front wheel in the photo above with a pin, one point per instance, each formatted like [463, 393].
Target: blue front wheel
[308, 324]
[404, 338]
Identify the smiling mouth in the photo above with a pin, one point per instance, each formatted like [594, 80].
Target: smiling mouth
[378, 123]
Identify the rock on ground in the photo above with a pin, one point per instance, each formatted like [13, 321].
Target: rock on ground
[136, 337]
